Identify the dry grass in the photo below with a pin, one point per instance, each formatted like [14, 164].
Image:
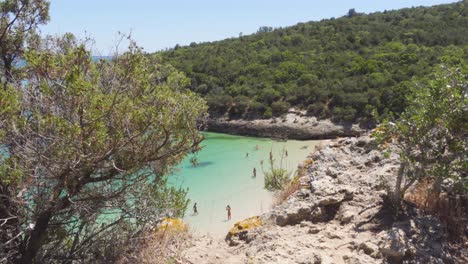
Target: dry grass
[419, 194]
[287, 191]
[450, 209]
[293, 186]
[160, 246]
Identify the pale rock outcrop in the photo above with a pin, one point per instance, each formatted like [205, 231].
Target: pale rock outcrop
[292, 126]
[343, 219]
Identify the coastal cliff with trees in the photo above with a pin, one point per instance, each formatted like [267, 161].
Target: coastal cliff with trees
[352, 69]
[86, 146]
[398, 195]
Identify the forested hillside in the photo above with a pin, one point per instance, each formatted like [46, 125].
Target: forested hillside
[344, 68]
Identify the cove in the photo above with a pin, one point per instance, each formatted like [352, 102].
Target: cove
[224, 177]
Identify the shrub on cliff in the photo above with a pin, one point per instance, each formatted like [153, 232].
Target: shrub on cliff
[432, 134]
[319, 110]
[279, 108]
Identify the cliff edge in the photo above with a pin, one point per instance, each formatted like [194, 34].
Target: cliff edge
[294, 125]
[343, 218]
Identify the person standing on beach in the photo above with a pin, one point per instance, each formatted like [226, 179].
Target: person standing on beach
[228, 209]
[254, 172]
[195, 209]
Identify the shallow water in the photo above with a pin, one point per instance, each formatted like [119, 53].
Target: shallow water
[225, 177]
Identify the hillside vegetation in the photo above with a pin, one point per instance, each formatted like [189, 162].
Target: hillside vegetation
[348, 69]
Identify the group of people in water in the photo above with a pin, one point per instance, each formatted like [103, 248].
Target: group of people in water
[254, 175]
[228, 209]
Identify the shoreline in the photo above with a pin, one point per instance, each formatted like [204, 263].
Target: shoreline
[224, 176]
[345, 218]
[290, 126]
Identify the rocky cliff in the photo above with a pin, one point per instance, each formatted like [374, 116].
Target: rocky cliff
[343, 218]
[290, 126]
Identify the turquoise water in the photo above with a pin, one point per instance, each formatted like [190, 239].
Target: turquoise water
[224, 176]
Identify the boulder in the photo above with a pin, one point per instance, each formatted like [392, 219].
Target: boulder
[332, 172]
[370, 249]
[240, 231]
[314, 230]
[336, 197]
[317, 214]
[395, 244]
[346, 213]
[291, 213]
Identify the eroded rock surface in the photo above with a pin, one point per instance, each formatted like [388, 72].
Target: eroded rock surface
[343, 219]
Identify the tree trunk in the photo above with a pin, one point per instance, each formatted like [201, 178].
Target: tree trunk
[7, 71]
[32, 243]
[397, 192]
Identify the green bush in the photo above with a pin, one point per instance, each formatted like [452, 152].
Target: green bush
[346, 114]
[219, 103]
[256, 109]
[279, 108]
[431, 134]
[267, 114]
[319, 110]
[276, 179]
[239, 106]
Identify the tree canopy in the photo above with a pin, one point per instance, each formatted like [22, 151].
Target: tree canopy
[343, 68]
[431, 134]
[82, 141]
[19, 20]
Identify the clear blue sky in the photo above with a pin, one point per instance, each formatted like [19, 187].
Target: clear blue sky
[159, 24]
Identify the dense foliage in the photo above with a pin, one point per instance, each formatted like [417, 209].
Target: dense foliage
[19, 20]
[345, 68]
[85, 147]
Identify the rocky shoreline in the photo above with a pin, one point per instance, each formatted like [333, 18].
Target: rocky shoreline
[344, 218]
[289, 126]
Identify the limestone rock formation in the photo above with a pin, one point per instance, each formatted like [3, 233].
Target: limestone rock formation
[290, 126]
[344, 218]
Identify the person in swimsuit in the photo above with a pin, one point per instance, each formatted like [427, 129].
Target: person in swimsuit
[195, 209]
[228, 209]
[254, 172]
